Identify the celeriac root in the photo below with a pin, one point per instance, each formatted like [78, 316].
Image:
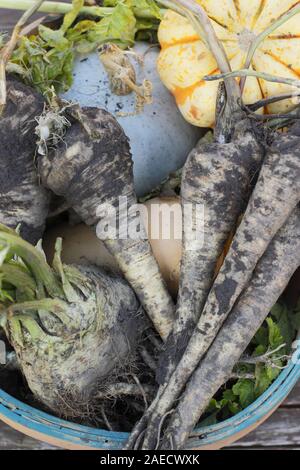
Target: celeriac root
[72, 327]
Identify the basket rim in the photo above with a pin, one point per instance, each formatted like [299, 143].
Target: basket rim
[55, 428]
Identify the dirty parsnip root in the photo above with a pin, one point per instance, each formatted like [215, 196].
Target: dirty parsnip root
[73, 328]
[270, 278]
[23, 201]
[91, 168]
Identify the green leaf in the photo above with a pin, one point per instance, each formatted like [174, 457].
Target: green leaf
[229, 395]
[119, 28]
[210, 420]
[47, 66]
[262, 379]
[261, 338]
[275, 336]
[142, 8]
[77, 32]
[282, 315]
[244, 389]
[71, 16]
[53, 38]
[234, 407]
[149, 6]
[260, 350]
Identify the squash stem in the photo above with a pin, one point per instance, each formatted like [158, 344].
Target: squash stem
[253, 73]
[263, 35]
[63, 8]
[215, 46]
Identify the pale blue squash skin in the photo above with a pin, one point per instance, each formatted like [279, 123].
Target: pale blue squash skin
[160, 138]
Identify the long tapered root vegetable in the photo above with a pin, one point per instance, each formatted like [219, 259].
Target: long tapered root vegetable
[73, 327]
[270, 278]
[217, 176]
[276, 194]
[23, 201]
[92, 168]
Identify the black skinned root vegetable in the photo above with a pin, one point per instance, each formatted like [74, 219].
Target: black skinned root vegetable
[23, 201]
[276, 194]
[217, 176]
[73, 328]
[90, 168]
[270, 278]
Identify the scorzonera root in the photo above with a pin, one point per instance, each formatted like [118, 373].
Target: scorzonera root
[276, 194]
[217, 176]
[92, 168]
[270, 278]
[73, 327]
[23, 201]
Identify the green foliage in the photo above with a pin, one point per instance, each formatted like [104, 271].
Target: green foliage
[119, 27]
[268, 355]
[46, 60]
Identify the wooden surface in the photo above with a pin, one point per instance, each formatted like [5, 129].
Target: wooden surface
[281, 431]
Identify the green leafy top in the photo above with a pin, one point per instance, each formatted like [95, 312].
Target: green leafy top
[45, 60]
[34, 294]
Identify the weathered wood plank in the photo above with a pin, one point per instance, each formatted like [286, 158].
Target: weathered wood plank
[294, 397]
[14, 440]
[280, 430]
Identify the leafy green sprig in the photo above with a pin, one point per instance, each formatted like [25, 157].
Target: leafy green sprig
[45, 60]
